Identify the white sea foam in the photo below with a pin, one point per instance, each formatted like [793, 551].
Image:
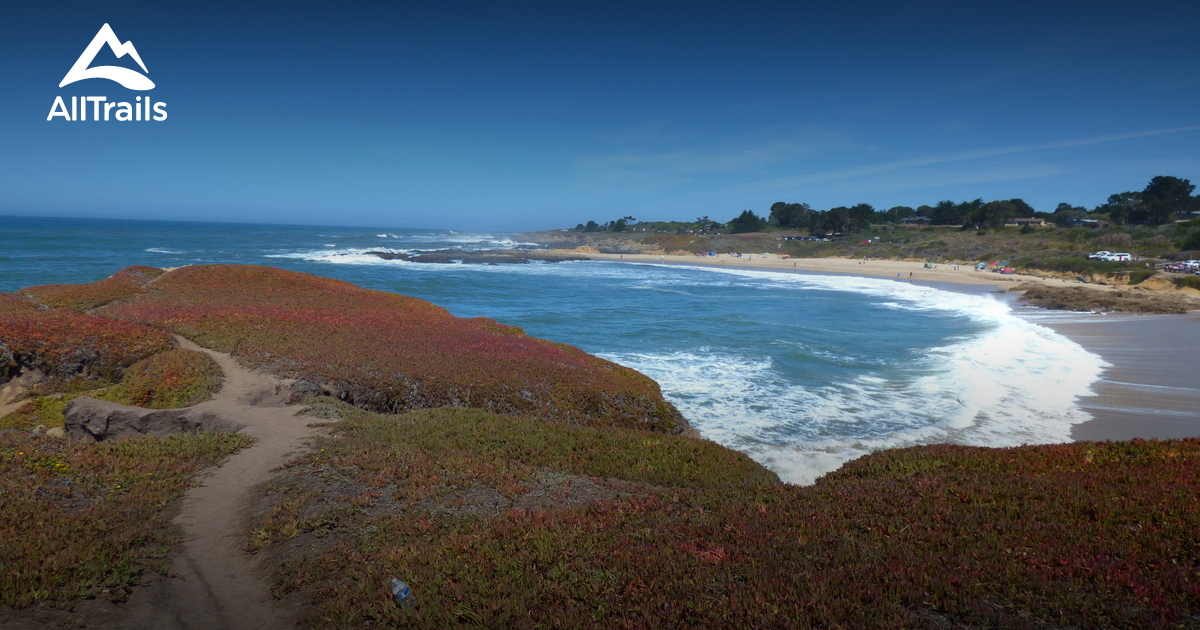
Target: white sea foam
[345, 256]
[465, 241]
[1012, 383]
[162, 250]
[454, 240]
[402, 243]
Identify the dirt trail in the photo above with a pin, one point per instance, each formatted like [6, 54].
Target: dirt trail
[217, 585]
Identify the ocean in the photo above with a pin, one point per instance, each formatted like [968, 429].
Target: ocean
[802, 372]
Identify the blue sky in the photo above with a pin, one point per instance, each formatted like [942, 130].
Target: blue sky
[529, 115]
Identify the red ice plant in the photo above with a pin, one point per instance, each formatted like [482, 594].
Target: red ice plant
[387, 352]
[65, 344]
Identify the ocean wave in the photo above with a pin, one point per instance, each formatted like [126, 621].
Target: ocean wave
[1012, 383]
[345, 256]
[162, 250]
[462, 241]
[429, 241]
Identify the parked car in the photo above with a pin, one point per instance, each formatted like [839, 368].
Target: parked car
[1116, 257]
[1187, 266]
[1098, 255]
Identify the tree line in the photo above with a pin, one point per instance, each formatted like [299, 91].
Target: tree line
[1164, 199]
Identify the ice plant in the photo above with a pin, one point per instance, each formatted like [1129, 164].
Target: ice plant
[387, 352]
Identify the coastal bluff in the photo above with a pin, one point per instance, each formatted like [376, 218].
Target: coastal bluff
[376, 350]
[517, 482]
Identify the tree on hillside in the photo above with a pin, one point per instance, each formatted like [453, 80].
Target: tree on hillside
[1123, 207]
[1165, 198]
[705, 224]
[950, 213]
[747, 221]
[896, 213]
[992, 214]
[861, 216]
[1065, 214]
[842, 220]
[1021, 210]
[789, 215]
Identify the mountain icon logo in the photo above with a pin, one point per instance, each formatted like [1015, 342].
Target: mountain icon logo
[131, 79]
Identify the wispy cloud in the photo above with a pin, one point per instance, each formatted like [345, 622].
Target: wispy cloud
[958, 156]
[740, 157]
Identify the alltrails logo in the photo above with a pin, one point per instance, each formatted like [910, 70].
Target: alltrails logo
[142, 108]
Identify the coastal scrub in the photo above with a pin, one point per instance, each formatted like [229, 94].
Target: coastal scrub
[66, 345]
[387, 352]
[82, 297]
[84, 520]
[172, 379]
[1078, 535]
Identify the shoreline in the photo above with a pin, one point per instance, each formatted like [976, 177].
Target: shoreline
[1146, 392]
[874, 268]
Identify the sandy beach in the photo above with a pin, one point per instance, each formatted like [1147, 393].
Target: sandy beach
[1150, 390]
[893, 269]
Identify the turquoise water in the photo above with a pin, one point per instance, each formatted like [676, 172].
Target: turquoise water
[801, 371]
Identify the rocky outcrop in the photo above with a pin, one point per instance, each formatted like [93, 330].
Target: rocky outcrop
[87, 418]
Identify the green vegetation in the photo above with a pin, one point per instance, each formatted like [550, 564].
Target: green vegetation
[85, 520]
[1069, 264]
[177, 378]
[172, 379]
[45, 411]
[82, 297]
[747, 221]
[497, 523]
[1140, 276]
[1147, 218]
